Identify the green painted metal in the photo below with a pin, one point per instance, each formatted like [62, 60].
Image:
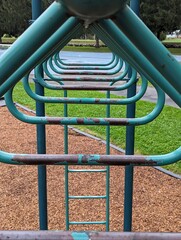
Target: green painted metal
[90, 10]
[55, 60]
[164, 61]
[66, 147]
[108, 114]
[57, 56]
[130, 142]
[41, 138]
[41, 54]
[126, 50]
[123, 35]
[92, 159]
[121, 76]
[58, 69]
[22, 49]
[49, 99]
[86, 121]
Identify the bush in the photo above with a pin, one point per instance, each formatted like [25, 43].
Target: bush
[162, 36]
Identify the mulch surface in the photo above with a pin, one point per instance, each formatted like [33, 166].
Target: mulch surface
[157, 196]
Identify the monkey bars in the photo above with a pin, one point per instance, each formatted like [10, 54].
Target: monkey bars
[122, 31]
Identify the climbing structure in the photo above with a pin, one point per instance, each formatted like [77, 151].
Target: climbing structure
[132, 59]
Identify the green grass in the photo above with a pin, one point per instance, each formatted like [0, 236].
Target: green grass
[85, 49]
[175, 51]
[174, 40]
[161, 136]
[85, 41]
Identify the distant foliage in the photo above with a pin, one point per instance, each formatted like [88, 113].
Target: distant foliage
[14, 16]
[161, 16]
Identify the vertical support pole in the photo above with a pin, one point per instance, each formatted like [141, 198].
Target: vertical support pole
[41, 138]
[66, 167]
[130, 135]
[107, 168]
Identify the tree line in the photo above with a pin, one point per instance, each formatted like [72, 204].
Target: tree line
[159, 15]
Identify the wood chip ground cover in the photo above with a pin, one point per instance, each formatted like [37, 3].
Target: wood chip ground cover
[156, 203]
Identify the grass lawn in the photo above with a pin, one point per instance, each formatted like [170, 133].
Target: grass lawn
[173, 40]
[161, 136]
[85, 49]
[175, 51]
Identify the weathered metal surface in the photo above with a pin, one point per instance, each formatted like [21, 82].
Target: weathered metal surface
[92, 159]
[72, 235]
[82, 159]
[91, 10]
[22, 49]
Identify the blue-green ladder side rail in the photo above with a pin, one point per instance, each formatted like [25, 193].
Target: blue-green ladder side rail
[106, 170]
[86, 121]
[72, 64]
[41, 54]
[52, 18]
[160, 58]
[170, 83]
[67, 171]
[47, 83]
[108, 78]
[86, 71]
[85, 67]
[87, 100]
[125, 49]
[90, 197]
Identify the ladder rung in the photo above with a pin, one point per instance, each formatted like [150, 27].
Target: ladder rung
[87, 170]
[79, 223]
[87, 197]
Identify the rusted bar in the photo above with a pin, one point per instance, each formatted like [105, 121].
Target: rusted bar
[70, 235]
[90, 159]
[82, 159]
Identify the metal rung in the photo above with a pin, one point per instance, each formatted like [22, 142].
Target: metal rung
[87, 197]
[52, 235]
[87, 170]
[87, 87]
[82, 223]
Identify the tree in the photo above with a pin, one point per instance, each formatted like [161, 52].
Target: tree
[161, 16]
[14, 16]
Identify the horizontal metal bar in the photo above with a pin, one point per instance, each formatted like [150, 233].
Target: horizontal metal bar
[86, 170]
[85, 121]
[88, 223]
[92, 159]
[72, 235]
[87, 197]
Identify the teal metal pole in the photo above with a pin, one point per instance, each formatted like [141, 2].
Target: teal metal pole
[31, 40]
[48, 48]
[130, 140]
[150, 47]
[125, 49]
[107, 168]
[66, 167]
[41, 137]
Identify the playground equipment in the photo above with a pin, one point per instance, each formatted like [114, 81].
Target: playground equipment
[116, 25]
